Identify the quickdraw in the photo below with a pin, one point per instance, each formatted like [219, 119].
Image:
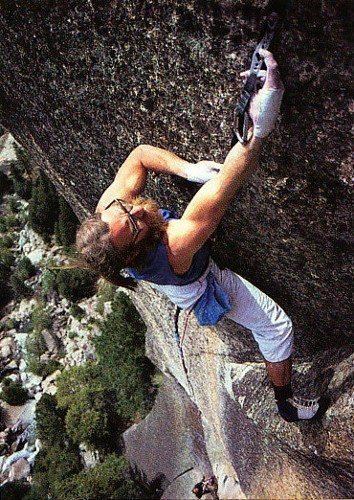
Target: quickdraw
[242, 120]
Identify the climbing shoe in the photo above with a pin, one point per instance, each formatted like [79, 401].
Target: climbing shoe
[294, 409]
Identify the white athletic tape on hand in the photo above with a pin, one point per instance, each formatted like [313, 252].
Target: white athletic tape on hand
[202, 172]
[268, 110]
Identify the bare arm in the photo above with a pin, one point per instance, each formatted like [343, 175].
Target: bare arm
[206, 209]
[204, 212]
[130, 179]
[162, 161]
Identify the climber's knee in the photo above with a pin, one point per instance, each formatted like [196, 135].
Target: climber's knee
[276, 342]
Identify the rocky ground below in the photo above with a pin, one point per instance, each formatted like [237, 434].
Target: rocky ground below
[67, 342]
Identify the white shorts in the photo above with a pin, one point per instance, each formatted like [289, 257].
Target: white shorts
[253, 309]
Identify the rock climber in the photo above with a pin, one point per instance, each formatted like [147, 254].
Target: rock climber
[130, 233]
[205, 486]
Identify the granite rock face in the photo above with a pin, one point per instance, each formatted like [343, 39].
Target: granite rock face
[253, 452]
[83, 82]
[170, 440]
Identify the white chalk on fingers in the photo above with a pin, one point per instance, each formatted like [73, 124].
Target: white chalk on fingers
[268, 110]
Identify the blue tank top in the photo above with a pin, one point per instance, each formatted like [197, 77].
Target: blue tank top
[157, 268]
[212, 305]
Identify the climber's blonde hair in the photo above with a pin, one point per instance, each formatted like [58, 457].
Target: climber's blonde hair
[98, 253]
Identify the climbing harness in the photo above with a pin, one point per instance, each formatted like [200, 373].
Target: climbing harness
[242, 120]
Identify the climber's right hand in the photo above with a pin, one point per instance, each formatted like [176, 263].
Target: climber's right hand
[265, 103]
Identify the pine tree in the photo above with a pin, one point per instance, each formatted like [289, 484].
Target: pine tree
[20, 173]
[65, 228]
[44, 207]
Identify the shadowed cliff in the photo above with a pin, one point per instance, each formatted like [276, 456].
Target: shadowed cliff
[83, 82]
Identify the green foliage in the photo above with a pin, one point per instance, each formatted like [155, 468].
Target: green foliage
[23, 216]
[39, 486]
[6, 241]
[59, 459]
[76, 311]
[14, 205]
[47, 283]
[57, 475]
[91, 417]
[8, 222]
[25, 269]
[35, 344]
[43, 207]
[35, 347]
[109, 479]
[87, 420]
[50, 421]
[48, 213]
[106, 292]
[40, 318]
[6, 261]
[19, 288]
[121, 356]
[94, 407]
[54, 466]
[7, 258]
[14, 490]
[5, 184]
[13, 392]
[75, 284]
[10, 324]
[66, 225]
[19, 173]
[41, 368]
[157, 379]
[34, 365]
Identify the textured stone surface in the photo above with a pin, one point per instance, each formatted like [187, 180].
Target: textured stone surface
[19, 470]
[170, 440]
[246, 441]
[83, 82]
[7, 152]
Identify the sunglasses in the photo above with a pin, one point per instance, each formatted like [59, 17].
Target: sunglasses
[127, 208]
